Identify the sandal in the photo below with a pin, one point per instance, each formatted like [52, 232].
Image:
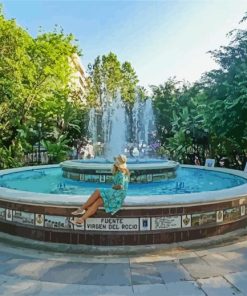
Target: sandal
[79, 211]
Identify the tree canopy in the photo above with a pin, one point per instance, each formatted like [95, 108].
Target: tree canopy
[34, 87]
[207, 118]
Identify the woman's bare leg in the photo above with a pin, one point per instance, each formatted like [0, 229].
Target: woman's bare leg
[92, 199]
[91, 210]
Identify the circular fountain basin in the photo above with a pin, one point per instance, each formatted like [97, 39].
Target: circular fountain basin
[143, 219]
[100, 170]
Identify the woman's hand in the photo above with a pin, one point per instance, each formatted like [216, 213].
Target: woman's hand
[117, 187]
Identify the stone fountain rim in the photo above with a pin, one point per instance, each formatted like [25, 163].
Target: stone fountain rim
[76, 164]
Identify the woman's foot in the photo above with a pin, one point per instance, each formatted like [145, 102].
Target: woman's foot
[79, 211]
[77, 221]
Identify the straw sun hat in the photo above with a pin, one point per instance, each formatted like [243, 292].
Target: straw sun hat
[120, 161]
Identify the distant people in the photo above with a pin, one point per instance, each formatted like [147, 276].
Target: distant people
[131, 151]
[245, 168]
[136, 152]
[88, 151]
[81, 152]
[197, 161]
[73, 153]
[224, 162]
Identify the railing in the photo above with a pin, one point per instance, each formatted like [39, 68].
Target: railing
[36, 158]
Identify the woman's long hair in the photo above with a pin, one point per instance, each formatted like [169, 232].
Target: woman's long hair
[116, 169]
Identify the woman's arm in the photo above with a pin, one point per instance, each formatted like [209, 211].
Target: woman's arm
[118, 181]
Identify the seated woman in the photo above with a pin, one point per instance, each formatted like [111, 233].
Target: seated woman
[112, 198]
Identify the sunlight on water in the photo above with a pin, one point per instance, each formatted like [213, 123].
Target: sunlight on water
[188, 180]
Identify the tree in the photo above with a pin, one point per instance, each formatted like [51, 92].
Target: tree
[34, 85]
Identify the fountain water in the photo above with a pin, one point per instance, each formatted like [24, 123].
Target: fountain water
[115, 126]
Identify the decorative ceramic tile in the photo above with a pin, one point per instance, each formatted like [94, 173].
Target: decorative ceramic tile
[9, 216]
[58, 222]
[23, 217]
[166, 222]
[143, 179]
[232, 214]
[203, 218]
[133, 178]
[102, 179]
[186, 221]
[79, 226]
[219, 216]
[144, 224]
[39, 220]
[91, 178]
[74, 176]
[112, 224]
[2, 214]
[242, 210]
[157, 177]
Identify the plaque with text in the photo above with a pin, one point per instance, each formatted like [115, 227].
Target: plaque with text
[112, 224]
[166, 222]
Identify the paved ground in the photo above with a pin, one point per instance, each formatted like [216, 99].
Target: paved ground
[221, 270]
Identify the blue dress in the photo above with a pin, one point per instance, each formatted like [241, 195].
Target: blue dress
[112, 198]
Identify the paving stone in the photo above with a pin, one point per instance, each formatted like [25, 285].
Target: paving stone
[237, 258]
[184, 288]
[85, 273]
[218, 286]
[222, 262]
[89, 290]
[172, 272]
[198, 268]
[30, 269]
[15, 286]
[238, 280]
[113, 274]
[34, 269]
[72, 273]
[18, 286]
[145, 274]
[3, 279]
[4, 256]
[7, 266]
[150, 290]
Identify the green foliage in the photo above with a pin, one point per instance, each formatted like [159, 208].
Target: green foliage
[209, 117]
[107, 77]
[35, 76]
[128, 83]
[10, 157]
[57, 151]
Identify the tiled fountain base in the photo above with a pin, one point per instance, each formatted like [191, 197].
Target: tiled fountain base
[130, 226]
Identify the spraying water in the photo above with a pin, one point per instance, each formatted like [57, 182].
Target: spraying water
[117, 129]
[116, 126]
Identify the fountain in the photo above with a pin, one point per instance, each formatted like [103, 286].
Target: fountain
[165, 203]
[114, 127]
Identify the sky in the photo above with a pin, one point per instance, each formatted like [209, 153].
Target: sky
[161, 39]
